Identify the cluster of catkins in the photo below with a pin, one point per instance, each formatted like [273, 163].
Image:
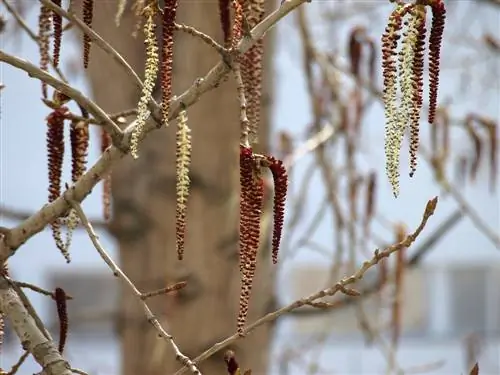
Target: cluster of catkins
[252, 165]
[51, 22]
[406, 68]
[235, 23]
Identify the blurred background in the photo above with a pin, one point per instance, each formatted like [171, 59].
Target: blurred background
[326, 119]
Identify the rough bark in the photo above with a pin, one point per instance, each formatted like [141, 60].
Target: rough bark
[144, 207]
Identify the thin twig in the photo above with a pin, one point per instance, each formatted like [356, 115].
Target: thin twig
[240, 86]
[15, 368]
[169, 289]
[204, 37]
[39, 290]
[96, 111]
[19, 215]
[78, 371]
[128, 283]
[377, 257]
[117, 117]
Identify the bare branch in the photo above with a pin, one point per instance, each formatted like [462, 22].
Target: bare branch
[202, 36]
[377, 257]
[19, 215]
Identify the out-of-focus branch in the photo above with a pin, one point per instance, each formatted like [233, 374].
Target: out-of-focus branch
[96, 111]
[491, 2]
[468, 210]
[339, 286]
[413, 261]
[31, 34]
[19, 215]
[34, 338]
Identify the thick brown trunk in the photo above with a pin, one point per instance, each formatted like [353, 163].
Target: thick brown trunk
[144, 207]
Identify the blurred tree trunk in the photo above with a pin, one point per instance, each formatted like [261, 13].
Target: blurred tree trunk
[144, 206]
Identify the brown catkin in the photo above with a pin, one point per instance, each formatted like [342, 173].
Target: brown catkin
[44, 26]
[62, 313]
[55, 156]
[225, 21]
[79, 138]
[88, 13]
[167, 56]
[57, 24]
[435, 41]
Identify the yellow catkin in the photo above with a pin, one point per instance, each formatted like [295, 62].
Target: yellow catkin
[151, 72]
[401, 119]
[392, 113]
[122, 4]
[183, 161]
[72, 222]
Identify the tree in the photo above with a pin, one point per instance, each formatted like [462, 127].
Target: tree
[143, 189]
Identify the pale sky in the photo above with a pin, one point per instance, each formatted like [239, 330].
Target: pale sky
[24, 171]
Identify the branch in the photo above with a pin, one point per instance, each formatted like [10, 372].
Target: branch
[35, 223]
[414, 260]
[130, 285]
[33, 71]
[377, 257]
[33, 338]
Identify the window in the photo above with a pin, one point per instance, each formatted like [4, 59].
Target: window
[474, 300]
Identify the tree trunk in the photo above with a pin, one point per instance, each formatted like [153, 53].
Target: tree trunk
[144, 206]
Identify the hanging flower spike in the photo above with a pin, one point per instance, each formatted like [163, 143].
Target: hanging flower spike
[435, 40]
[79, 139]
[389, 46]
[237, 24]
[88, 13]
[251, 202]
[411, 78]
[183, 161]
[167, 56]
[57, 24]
[246, 176]
[44, 26]
[122, 4]
[55, 152]
[280, 179]
[252, 69]
[411, 65]
[106, 181]
[225, 21]
[62, 313]
[151, 71]
[255, 211]
[417, 85]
